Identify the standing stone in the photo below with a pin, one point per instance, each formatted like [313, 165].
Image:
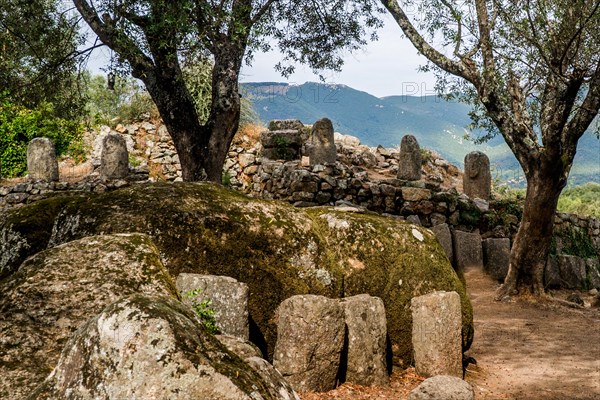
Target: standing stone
[229, 300]
[593, 272]
[409, 166]
[496, 257]
[41, 160]
[367, 330]
[321, 144]
[114, 161]
[442, 387]
[477, 179]
[444, 236]
[467, 250]
[552, 273]
[310, 338]
[572, 272]
[436, 334]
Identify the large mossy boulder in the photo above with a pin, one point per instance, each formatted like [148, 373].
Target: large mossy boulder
[56, 291]
[148, 347]
[278, 250]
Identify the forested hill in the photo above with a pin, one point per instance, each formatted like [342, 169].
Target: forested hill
[437, 124]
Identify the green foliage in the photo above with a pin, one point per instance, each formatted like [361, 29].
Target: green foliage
[19, 125]
[574, 241]
[128, 101]
[39, 42]
[425, 156]
[226, 179]
[581, 200]
[203, 310]
[282, 148]
[198, 79]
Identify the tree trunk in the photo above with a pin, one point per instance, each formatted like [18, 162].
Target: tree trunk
[532, 242]
[201, 148]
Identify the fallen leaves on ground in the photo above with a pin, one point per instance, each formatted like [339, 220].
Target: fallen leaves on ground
[401, 383]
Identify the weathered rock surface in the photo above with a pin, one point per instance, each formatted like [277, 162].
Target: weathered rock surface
[572, 272]
[477, 179]
[57, 290]
[409, 165]
[321, 144]
[228, 297]
[366, 342]
[144, 347]
[276, 249]
[114, 161]
[442, 387]
[41, 160]
[467, 250]
[444, 236]
[310, 338]
[436, 334]
[496, 257]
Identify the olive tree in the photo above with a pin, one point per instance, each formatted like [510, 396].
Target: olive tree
[154, 38]
[532, 70]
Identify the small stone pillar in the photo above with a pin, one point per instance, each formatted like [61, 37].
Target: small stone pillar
[367, 332]
[114, 161]
[229, 300]
[41, 160]
[310, 338]
[321, 144]
[409, 165]
[477, 179]
[436, 334]
[468, 251]
[444, 236]
[496, 257]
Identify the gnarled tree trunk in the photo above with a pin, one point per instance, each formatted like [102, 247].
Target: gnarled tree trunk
[532, 243]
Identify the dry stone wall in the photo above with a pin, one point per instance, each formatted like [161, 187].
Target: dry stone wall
[279, 167]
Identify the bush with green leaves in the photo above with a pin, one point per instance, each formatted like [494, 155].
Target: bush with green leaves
[581, 200]
[203, 310]
[19, 125]
[127, 102]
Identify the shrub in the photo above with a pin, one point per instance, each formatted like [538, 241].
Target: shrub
[203, 310]
[19, 125]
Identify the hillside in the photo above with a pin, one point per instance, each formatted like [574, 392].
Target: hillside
[437, 124]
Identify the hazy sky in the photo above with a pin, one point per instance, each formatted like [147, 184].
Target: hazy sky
[383, 68]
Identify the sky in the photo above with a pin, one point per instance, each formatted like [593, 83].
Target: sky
[383, 68]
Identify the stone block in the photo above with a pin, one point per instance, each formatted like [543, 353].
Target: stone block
[444, 236]
[436, 334]
[442, 387]
[552, 273]
[41, 160]
[572, 272]
[496, 257]
[229, 300]
[415, 194]
[477, 179]
[310, 338]
[114, 161]
[467, 250]
[321, 144]
[409, 163]
[367, 330]
[593, 272]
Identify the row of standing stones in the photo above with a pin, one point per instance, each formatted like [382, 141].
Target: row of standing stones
[322, 342]
[305, 166]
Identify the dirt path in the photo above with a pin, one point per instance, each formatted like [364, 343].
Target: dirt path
[529, 350]
[525, 350]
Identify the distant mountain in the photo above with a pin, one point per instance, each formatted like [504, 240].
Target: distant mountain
[437, 124]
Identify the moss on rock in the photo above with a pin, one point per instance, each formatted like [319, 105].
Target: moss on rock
[57, 290]
[278, 250]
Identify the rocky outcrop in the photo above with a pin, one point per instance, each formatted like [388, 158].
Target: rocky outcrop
[144, 347]
[57, 290]
[276, 249]
[442, 387]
